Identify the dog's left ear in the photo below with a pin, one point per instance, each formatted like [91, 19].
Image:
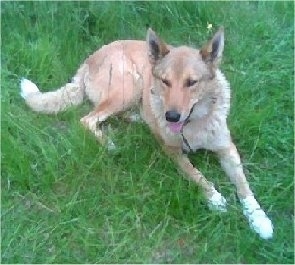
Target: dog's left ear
[157, 48]
[212, 51]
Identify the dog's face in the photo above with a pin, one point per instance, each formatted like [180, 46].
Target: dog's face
[181, 76]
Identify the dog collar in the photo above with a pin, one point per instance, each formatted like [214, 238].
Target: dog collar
[187, 120]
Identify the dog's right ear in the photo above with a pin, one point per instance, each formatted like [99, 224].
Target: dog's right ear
[157, 49]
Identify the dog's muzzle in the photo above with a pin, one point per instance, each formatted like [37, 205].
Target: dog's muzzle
[174, 123]
[173, 118]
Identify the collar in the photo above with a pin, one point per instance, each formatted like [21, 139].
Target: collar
[187, 120]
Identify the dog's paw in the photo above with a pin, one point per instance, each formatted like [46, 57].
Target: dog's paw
[217, 202]
[257, 218]
[27, 87]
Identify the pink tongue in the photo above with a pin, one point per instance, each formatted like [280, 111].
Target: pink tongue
[175, 127]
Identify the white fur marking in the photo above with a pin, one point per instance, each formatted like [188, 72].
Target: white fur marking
[27, 87]
[217, 202]
[134, 72]
[92, 122]
[257, 218]
[134, 117]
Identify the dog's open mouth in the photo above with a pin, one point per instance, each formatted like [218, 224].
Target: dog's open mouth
[175, 127]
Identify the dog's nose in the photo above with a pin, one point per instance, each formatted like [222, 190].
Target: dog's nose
[172, 116]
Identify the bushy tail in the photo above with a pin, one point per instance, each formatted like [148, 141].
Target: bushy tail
[51, 102]
[55, 101]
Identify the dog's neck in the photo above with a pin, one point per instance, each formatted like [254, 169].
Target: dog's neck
[202, 109]
[216, 102]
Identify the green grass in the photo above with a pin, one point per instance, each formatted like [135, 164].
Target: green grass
[66, 199]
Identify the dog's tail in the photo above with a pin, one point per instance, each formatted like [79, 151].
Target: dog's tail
[55, 101]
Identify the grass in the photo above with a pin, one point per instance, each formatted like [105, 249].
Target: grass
[66, 199]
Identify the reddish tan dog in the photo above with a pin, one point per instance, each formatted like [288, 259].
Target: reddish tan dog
[184, 98]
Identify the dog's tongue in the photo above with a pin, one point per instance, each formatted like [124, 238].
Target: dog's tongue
[175, 127]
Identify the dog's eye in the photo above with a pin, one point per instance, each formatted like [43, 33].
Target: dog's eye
[166, 82]
[190, 82]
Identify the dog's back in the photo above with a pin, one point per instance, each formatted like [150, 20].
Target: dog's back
[112, 71]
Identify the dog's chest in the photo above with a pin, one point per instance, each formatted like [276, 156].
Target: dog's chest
[212, 135]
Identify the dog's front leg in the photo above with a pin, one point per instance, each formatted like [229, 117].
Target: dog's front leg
[215, 200]
[231, 163]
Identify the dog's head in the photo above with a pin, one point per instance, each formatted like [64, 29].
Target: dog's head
[182, 75]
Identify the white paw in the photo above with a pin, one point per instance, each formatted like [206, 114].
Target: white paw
[257, 218]
[217, 202]
[27, 87]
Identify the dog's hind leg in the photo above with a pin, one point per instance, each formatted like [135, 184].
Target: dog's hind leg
[110, 104]
[116, 87]
[91, 122]
[231, 163]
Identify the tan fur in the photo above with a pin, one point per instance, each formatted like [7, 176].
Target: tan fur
[162, 78]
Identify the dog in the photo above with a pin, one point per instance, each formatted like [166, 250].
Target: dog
[183, 96]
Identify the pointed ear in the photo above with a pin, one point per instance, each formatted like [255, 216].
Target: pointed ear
[157, 49]
[212, 51]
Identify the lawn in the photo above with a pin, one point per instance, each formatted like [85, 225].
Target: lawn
[66, 199]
